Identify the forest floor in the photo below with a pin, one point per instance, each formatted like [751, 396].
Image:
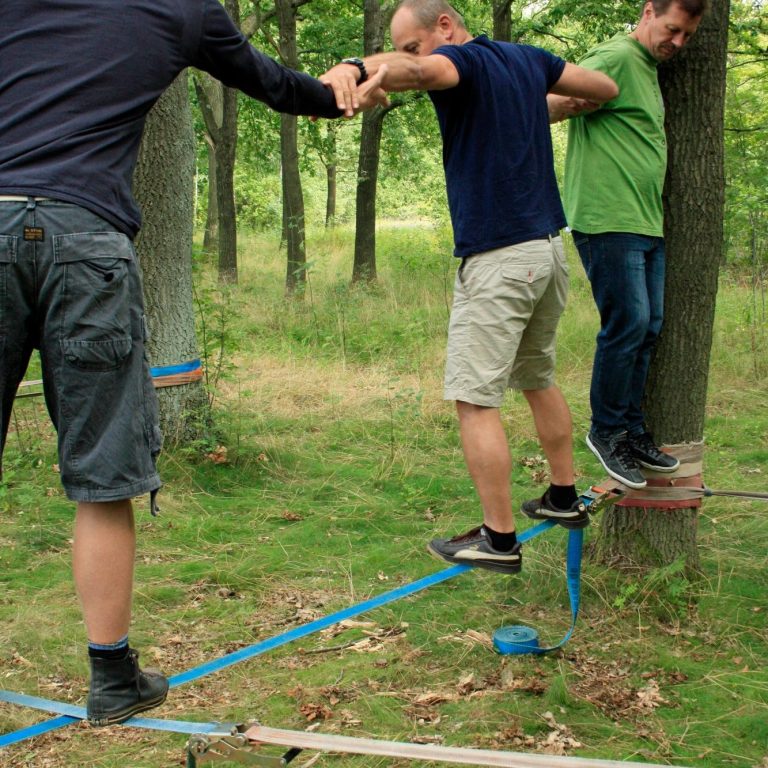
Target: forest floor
[333, 461]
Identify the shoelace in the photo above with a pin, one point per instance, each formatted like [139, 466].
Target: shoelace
[623, 452]
[644, 442]
[473, 534]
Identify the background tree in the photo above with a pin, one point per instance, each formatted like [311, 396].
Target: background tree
[163, 185]
[293, 197]
[364, 265]
[693, 84]
[218, 106]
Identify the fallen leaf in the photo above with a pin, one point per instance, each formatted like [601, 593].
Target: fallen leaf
[218, 455]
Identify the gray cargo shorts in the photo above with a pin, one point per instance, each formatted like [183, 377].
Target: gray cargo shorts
[70, 287]
[506, 307]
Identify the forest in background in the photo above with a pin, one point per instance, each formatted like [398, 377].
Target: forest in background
[410, 178]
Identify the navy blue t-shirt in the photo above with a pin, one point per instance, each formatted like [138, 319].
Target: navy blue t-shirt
[497, 148]
[78, 77]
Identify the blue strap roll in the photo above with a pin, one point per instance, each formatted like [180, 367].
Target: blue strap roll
[521, 639]
[516, 638]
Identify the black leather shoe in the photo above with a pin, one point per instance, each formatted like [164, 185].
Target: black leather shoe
[120, 689]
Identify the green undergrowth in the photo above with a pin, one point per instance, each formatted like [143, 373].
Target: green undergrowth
[333, 462]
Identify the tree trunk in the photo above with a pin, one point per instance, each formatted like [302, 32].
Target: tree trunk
[694, 92]
[330, 200]
[218, 106]
[163, 184]
[293, 207]
[502, 20]
[211, 237]
[293, 197]
[226, 150]
[364, 266]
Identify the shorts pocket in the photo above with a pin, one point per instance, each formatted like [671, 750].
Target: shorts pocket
[96, 298]
[526, 273]
[8, 248]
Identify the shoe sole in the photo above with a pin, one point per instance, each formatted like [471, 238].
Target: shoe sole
[488, 565]
[656, 468]
[564, 522]
[121, 717]
[615, 475]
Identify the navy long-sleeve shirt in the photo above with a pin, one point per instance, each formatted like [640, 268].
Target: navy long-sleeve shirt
[78, 77]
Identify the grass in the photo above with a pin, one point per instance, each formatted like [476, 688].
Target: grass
[342, 460]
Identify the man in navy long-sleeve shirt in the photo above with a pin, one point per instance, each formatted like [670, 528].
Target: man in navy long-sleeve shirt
[78, 79]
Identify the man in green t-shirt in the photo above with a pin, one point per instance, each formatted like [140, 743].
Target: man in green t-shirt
[614, 174]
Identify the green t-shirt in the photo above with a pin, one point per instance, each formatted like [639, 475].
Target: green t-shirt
[617, 155]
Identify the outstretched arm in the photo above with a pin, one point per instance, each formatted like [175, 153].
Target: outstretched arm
[577, 91]
[404, 72]
[562, 107]
[586, 84]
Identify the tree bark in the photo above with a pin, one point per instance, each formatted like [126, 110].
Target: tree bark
[218, 106]
[330, 199]
[364, 266]
[693, 85]
[293, 197]
[502, 20]
[330, 159]
[211, 236]
[226, 150]
[163, 185]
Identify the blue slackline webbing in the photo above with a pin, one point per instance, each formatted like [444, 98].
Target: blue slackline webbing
[36, 730]
[249, 652]
[172, 370]
[334, 618]
[74, 714]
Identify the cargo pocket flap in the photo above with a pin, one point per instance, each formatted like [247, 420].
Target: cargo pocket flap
[96, 355]
[86, 246]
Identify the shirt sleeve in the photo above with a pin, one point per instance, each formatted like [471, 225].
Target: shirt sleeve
[224, 53]
[461, 57]
[551, 65]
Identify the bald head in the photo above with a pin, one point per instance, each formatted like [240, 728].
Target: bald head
[420, 26]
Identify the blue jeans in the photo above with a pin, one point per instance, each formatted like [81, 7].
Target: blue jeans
[627, 276]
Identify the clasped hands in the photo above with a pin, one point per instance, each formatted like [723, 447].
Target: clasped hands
[352, 97]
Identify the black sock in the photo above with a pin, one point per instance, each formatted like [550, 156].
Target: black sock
[563, 496]
[120, 652]
[501, 542]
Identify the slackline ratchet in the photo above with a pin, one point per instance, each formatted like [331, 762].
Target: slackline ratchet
[69, 713]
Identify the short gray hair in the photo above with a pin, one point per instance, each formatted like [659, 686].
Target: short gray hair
[427, 12]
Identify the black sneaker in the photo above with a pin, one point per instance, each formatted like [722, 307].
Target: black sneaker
[474, 548]
[647, 453]
[616, 457]
[543, 509]
[120, 689]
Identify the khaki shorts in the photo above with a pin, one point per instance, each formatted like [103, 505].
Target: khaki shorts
[506, 306]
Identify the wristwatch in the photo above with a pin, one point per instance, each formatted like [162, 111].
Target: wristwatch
[355, 62]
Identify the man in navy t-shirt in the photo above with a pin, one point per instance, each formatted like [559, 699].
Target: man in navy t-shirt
[512, 282]
[78, 79]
